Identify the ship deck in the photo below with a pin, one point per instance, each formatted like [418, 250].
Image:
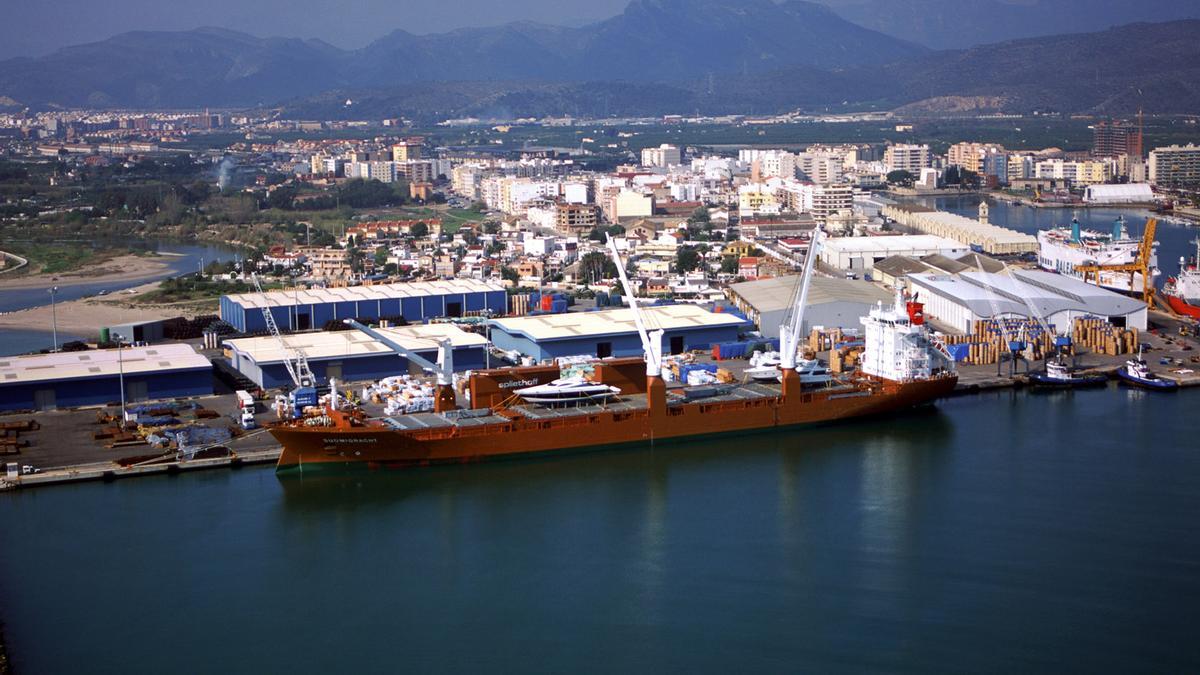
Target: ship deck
[465, 419]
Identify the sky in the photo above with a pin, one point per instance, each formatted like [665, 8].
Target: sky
[36, 27]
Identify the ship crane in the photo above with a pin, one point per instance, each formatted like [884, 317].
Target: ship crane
[1140, 264]
[443, 369]
[294, 359]
[789, 333]
[651, 340]
[656, 388]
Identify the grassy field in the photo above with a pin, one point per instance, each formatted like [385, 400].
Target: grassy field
[53, 258]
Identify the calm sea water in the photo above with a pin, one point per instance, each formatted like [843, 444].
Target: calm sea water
[1007, 532]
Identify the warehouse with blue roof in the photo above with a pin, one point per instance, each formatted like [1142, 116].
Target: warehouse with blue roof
[613, 332]
[349, 355]
[86, 378]
[305, 309]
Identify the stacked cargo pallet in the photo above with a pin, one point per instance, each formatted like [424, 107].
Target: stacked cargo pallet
[991, 339]
[1104, 338]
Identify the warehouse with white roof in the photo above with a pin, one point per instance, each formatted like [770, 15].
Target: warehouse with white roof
[969, 231]
[305, 309]
[831, 303]
[957, 302]
[76, 379]
[613, 332]
[859, 254]
[350, 355]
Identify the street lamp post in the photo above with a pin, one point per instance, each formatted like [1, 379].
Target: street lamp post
[121, 374]
[54, 314]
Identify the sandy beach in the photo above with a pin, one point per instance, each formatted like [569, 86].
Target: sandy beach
[121, 268]
[88, 315]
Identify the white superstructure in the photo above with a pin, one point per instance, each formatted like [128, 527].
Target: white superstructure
[900, 348]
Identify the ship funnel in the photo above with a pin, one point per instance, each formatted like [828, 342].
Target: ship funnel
[1119, 228]
[1075, 230]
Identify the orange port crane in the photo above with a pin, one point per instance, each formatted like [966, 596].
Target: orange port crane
[1141, 264]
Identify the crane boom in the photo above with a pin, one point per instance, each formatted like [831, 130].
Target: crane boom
[444, 368]
[651, 341]
[1141, 264]
[790, 333]
[299, 371]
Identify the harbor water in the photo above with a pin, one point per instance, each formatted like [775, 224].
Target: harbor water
[1003, 532]
[1175, 237]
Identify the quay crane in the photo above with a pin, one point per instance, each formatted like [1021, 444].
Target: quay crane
[443, 369]
[1141, 264]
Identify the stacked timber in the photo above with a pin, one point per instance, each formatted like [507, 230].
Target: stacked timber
[1102, 337]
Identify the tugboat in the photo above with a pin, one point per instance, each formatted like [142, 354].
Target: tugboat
[1059, 374]
[1136, 373]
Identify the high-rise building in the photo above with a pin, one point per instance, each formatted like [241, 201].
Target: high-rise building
[1116, 137]
[971, 156]
[407, 150]
[907, 157]
[1175, 166]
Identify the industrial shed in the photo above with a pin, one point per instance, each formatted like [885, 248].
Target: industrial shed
[990, 238]
[957, 302]
[1129, 193]
[613, 332]
[859, 254]
[832, 303]
[350, 355]
[305, 309]
[74, 379]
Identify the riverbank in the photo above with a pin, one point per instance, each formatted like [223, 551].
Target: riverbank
[86, 316]
[126, 267]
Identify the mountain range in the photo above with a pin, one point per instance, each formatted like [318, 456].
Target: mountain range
[966, 23]
[746, 56]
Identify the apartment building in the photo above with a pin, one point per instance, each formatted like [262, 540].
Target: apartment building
[907, 157]
[1175, 166]
[663, 156]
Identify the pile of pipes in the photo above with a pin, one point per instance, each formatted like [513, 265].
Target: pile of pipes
[1104, 338]
[401, 394]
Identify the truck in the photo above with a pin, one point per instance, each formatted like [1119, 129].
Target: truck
[245, 400]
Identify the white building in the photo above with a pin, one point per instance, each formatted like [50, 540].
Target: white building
[1175, 165]
[959, 301]
[1130, 193]
[859, 254]
[663, 156]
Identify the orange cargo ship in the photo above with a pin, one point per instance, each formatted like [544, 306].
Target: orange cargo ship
[349, 438]
[518, 412]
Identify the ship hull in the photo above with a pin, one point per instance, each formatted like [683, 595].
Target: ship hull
[1181, 306]
[314, 448]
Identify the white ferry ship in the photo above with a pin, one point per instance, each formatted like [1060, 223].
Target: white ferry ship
[1063, 249]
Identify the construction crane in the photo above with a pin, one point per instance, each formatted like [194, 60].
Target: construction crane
[297, 364]
[443, 369]
[1140, 264]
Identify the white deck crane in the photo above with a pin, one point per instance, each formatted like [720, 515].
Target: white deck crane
[297, 365]
[443, 369]
[789, 333]
[651, 340]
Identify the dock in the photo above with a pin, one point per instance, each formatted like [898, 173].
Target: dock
[107, 471]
